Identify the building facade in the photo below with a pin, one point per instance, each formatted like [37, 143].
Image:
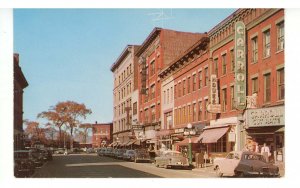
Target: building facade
[125, 100]
[159, 49]
[102, 134]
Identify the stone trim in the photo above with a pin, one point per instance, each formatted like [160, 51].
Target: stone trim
[254, 76]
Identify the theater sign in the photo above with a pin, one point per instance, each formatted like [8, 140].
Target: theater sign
[240, 66]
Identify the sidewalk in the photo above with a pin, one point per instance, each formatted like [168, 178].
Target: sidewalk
[208, 168]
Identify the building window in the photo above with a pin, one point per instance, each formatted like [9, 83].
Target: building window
[267, 83]
[130, 68]
[194, 82]
[280, 36]
[153, 114]
[199, 110]
[206, 77]
[183, 116]
[152, 68]
[165, 101]
[267, 43]
[205, 109]
[232, 60]
[200, 79]
[179, 89]
[152, 92]
[175, 91]
[146, 116]
[280, 82]
[254, 85]
[189, 114]
[224, 64]
[232, 97]
[216, 67]
[224, 99]
[171, 94]
[254, 50]
[168, 96]
[183, 88]
[189, 85]
[146, 95]
[134, 111]
[194, 112]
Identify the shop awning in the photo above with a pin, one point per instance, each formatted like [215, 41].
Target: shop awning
[130, 143]
[165, 132]
[111, 144]
[137, 142]
[212, 135]
[194, 140]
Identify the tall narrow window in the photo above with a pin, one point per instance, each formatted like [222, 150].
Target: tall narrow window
[199, 110]
[168, 96]
[175, 91]
[232, 59]
[152, 92]
[183, 87]
[280, 36]
[153, 114]
[205, 109]
[232, 97]
[152, 68]
[216, 71]
[189, 85]
[206, 76]
[267, 43]
[254, 50]
[179, 89]
[254, 85]
[200, 79]
[224, 64]
[280, 83]
[134, 111]
[171, 94]
[224, 100]
[194, 112]
[267, 83]
[165, 101]
[194, 82]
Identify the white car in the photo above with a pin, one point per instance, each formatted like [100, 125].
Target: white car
[244, 164]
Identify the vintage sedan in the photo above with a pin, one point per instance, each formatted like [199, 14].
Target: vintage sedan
[170, 159]
[244, 163]
[129, 155]
[23, 163]
[141, 155]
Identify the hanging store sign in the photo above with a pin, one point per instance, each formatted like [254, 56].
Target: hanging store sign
[240, 65]
[214, 106]
[264, 117]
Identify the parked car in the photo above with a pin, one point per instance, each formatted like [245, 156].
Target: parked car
[169, 159]
[37, 157]
[23, 163]
[101, 151]
[90, 150]
[141, 155]
[45, 154]
[129, 155]
[244, 164]
[60, 151]
[108, 151]
[120, 153]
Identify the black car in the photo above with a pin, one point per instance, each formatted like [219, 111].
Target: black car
[23, 163]
[37, 157]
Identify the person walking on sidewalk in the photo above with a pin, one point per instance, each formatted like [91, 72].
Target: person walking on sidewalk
[265, 151]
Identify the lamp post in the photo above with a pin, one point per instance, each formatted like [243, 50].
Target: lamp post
[189, 131]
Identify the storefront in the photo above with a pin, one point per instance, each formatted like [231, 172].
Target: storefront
[266, 125]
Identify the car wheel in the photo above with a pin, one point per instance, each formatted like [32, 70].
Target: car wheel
[240, 174]
[218, 171]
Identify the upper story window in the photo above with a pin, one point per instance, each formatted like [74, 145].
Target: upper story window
[267, 43]
[280, 84]
[206, 76]
[189, 85]
[183, 87]
[232, 59]
[224, 64]
[194, 82]
[254, 85]
[200, 79]
[254, 50]
[130, 68]
[175, 91]
[179, 89]
[280, 36]
[152, 67]
[224, 100]
[134, 111]
[153, 91]
[216, 67]
[267, 89]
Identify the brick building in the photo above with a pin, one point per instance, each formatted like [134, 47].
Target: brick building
[159, 49]
[189, 77]
[20, 83]
[102, 134]
[125, 94]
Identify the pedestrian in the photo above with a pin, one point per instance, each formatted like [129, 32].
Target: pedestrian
[265, 151]
[256, 148]
[201, 159]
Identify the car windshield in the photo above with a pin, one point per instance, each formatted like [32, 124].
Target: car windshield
[254, 157]
[174, 154]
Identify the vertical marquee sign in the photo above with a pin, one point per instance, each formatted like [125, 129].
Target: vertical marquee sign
[214, 106]
[240, 66]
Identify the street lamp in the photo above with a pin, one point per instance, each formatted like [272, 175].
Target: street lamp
[189, 131]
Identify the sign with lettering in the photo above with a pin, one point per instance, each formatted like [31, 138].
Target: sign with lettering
[137, 127]
[214, 106]
[240, 65]
[273, 116]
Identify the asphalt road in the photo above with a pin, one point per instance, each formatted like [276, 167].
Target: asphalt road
[93, 166]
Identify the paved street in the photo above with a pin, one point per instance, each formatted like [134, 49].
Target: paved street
[93, 166]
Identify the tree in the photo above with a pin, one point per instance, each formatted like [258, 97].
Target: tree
[34, 132]
[74, 112]
[57, 116]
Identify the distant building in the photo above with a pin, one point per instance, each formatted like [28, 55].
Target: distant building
[20, 83]
[102, 134]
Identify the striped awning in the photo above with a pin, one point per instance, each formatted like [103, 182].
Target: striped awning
[212, 135]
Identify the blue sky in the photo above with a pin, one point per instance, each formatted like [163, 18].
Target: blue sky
[66, 54]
